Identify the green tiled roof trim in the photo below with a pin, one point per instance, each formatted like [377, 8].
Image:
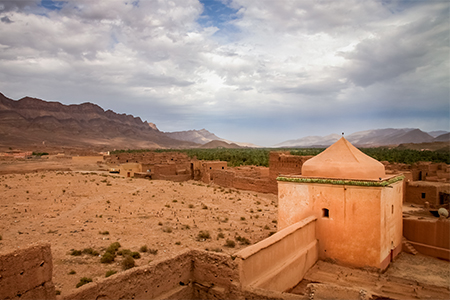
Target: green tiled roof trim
[380, 183]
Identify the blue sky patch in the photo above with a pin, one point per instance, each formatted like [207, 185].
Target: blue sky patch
[52, 5]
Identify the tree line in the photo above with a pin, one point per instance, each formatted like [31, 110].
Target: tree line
[260, 156]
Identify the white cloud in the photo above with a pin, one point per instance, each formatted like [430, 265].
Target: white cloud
[329, 59]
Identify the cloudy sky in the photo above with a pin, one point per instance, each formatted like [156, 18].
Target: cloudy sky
[249, 71]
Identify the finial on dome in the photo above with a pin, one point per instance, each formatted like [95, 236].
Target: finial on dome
[342, 134]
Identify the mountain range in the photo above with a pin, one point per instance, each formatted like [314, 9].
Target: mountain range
[371, 138]
[31, 123]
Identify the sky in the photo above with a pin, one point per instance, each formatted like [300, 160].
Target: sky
[260, 72]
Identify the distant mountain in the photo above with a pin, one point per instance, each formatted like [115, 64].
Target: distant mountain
[367, 138]
[34, 123]
[203, 136]
[443, 137]
[311, 141]
[437, 133]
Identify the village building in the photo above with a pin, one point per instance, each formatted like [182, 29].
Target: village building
[358, 208]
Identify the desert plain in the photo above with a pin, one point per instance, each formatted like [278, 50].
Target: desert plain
[76, 206]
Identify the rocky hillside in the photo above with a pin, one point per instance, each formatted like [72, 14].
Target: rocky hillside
[35, 124]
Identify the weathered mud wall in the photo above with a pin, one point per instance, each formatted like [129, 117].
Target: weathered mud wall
[430, 237]
[279, 262]
[419, 192]
[27, 273]
[167, 279]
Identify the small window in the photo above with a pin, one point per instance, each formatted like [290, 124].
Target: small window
[392, 209]
[210, 168]
[423, 195]
[223, 168]
[325, 213]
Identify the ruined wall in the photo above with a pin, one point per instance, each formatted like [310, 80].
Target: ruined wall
[27, 273]
[419, 192]
[166, 279]
[279, 262]
[430, 237]
[283, 163]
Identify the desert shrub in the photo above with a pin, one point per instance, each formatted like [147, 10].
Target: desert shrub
[110, 272]
[153, 251]
[72, 272]
[128, 262]
[191, 205]
[113, 247]
[104, 232]
[242, 218]
[174, 200]
[272, 233]
[75, 252]
[216, 249]
[167, 205]
[203, 235]
[83, 281]
[107, 258]
[230, 244]
[242, 240]
[266, 227]
[57, 292]
[124, 252]
[143, 248]
[90, 251]
[135, 255]
[204, 206]
[160, 223]
[177, 243]
[220, 235]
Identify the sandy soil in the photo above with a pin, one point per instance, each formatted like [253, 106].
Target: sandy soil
[71, 210]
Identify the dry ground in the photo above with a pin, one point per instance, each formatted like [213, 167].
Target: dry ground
[71, 210]
[70, 204]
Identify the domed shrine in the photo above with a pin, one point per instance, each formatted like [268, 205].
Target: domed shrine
[358, 208]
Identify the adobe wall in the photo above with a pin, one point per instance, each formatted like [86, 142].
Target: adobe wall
[391, 222]
[283, 163]
[166, 279]
[279, 262]
[231, 179]
[27, 273]
[419, 192]
[430, 237]
[193, 274]
[351, 230]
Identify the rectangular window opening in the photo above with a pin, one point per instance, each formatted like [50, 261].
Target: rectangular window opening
[423, 195]
[325, 213]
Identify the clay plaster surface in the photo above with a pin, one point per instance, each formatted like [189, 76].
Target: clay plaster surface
[343, 160]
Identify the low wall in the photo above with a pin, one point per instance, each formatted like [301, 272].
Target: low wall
[429, 237]
[167, 279]
[193, 274]
[229, 179]
[279, 262]
[27, 273]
